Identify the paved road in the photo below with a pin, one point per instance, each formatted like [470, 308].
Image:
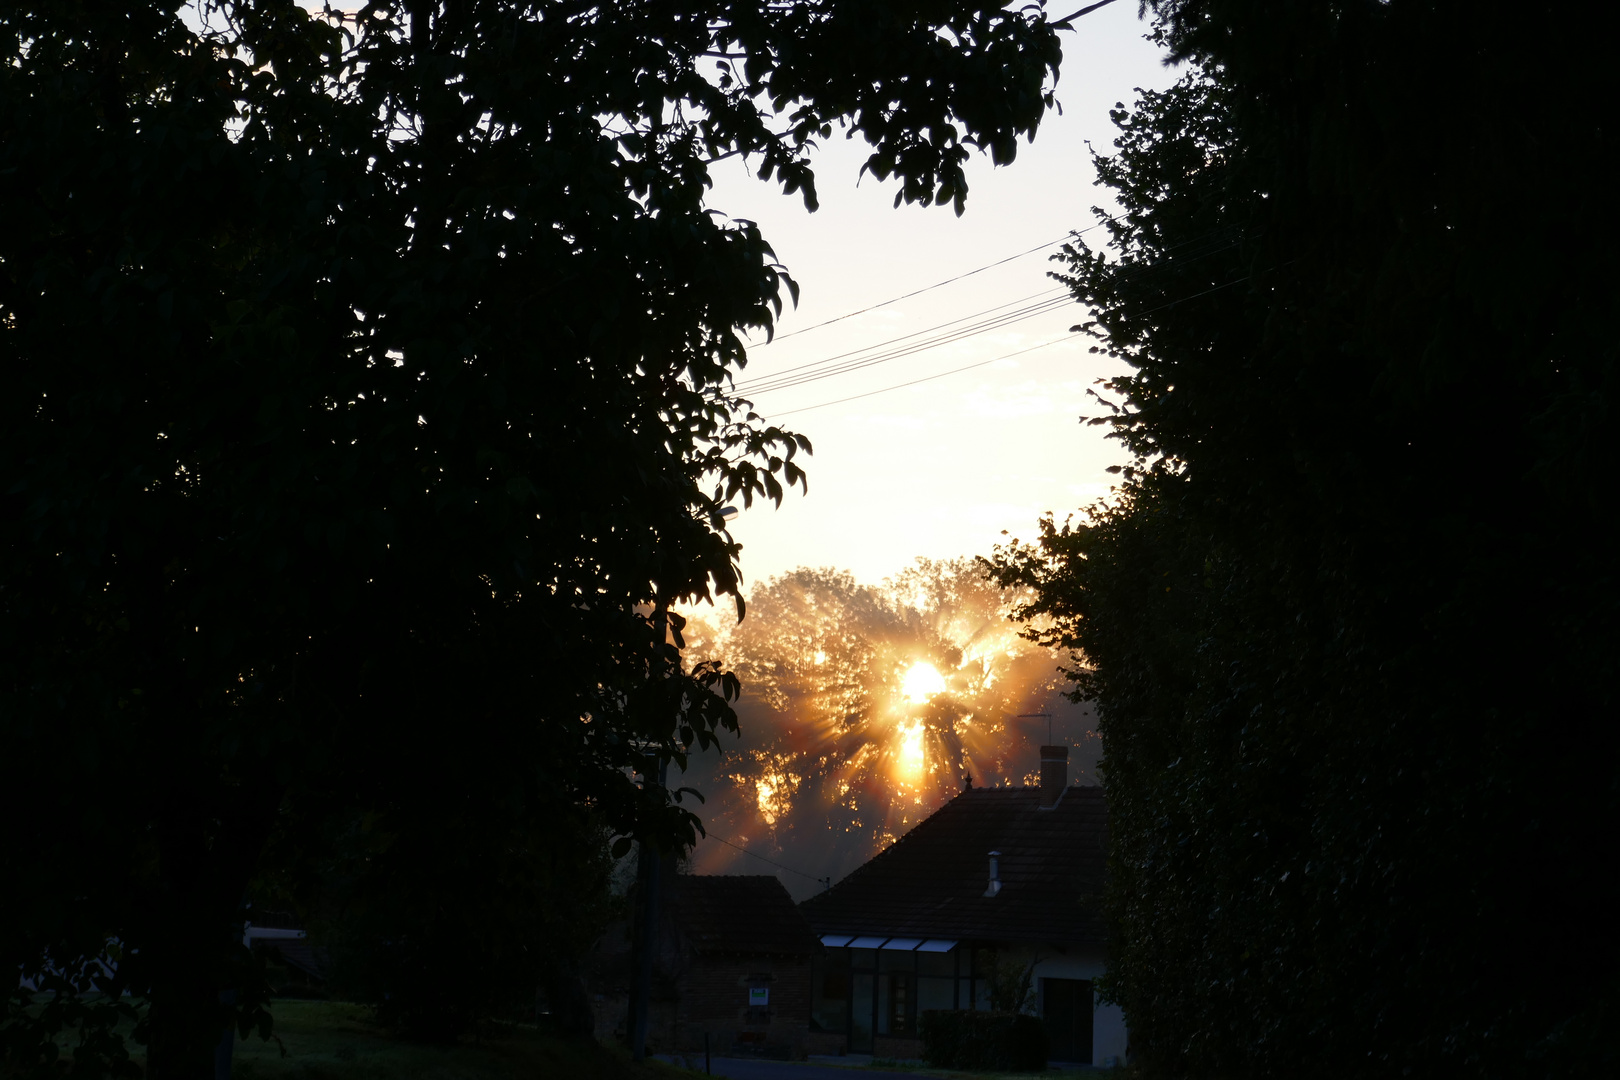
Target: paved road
[756, 1069]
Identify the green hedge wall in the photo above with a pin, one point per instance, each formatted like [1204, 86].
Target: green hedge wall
[1351, 618]
[958, 1039]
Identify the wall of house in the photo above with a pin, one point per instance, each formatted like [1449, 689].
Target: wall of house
[611, 1019]
[1108, 1035]
[714, 1001]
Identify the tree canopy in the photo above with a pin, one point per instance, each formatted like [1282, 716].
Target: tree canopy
[367, 388]
[1349, 618]
[843, 747]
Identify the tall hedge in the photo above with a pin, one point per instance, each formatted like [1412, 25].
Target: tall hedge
[1350, 616]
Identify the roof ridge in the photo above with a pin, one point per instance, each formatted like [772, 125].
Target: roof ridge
[932, 881]
[856, 873]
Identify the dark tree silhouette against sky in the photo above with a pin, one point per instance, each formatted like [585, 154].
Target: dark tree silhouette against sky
[367, 389]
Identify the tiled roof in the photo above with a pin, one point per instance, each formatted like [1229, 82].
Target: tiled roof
[931, 882]
[302, 955]
[741, 915]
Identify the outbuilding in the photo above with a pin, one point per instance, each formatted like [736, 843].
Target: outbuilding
[731, 971]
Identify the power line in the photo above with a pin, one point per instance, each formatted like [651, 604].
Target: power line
[1006, 356]
[1212, 242]
[762, 858]
[748, 384]
[925, 378]
[827, 368]
[940, 284]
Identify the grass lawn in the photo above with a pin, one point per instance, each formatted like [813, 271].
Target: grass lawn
[326, 1040]
[1049, 1073]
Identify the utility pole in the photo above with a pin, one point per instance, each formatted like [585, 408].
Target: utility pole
[647, 888]
[650, 870]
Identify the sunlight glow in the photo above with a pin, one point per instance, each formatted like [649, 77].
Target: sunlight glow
[910, 756]
[866, 711]
[922, 682]
[765, 792]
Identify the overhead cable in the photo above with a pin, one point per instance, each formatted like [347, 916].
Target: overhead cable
[1006, 356]
[939, 284]
[761, 858]
[748, 383]
[925, 378]
[1204, 245]
[1054, 300]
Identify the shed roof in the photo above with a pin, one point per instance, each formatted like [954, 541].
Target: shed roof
[931, 883]
[742, 914]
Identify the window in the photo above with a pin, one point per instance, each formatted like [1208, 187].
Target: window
[860, 1012]
[895, 1015]
[829, 991]
[896, 1000]
[936, 981]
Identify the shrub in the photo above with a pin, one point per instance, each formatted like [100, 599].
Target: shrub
[959, 1039]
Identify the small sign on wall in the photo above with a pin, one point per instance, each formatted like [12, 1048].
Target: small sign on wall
[759, 997]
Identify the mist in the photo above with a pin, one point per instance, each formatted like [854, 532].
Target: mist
[864, 709]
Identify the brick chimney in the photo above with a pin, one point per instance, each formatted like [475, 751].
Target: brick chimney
[1054, 775]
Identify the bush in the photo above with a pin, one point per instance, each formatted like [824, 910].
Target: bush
[442, 921]
[959, 1039]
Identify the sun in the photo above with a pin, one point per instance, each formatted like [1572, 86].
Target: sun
[921, 682]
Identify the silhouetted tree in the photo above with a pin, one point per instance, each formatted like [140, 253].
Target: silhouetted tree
[367, 388]
[841, 752]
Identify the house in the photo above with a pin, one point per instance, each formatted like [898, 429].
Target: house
[1000, 883]
[296, 968]
[731, 970]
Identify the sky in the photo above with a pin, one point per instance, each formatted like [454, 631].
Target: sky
[941, 468]
[938, 469]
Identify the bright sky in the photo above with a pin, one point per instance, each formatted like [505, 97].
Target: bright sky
[940, 468]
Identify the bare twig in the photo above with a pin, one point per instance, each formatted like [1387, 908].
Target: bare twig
[1087, 10]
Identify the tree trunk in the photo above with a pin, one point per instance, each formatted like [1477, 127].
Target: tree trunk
[193, 947]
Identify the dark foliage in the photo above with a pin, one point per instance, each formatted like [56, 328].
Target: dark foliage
[1350, 618]
[439, 926]
[442, 897]
[366, 385]
[963, 1039]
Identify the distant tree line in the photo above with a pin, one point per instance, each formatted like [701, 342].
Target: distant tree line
[1349, 617]
[820, 772]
